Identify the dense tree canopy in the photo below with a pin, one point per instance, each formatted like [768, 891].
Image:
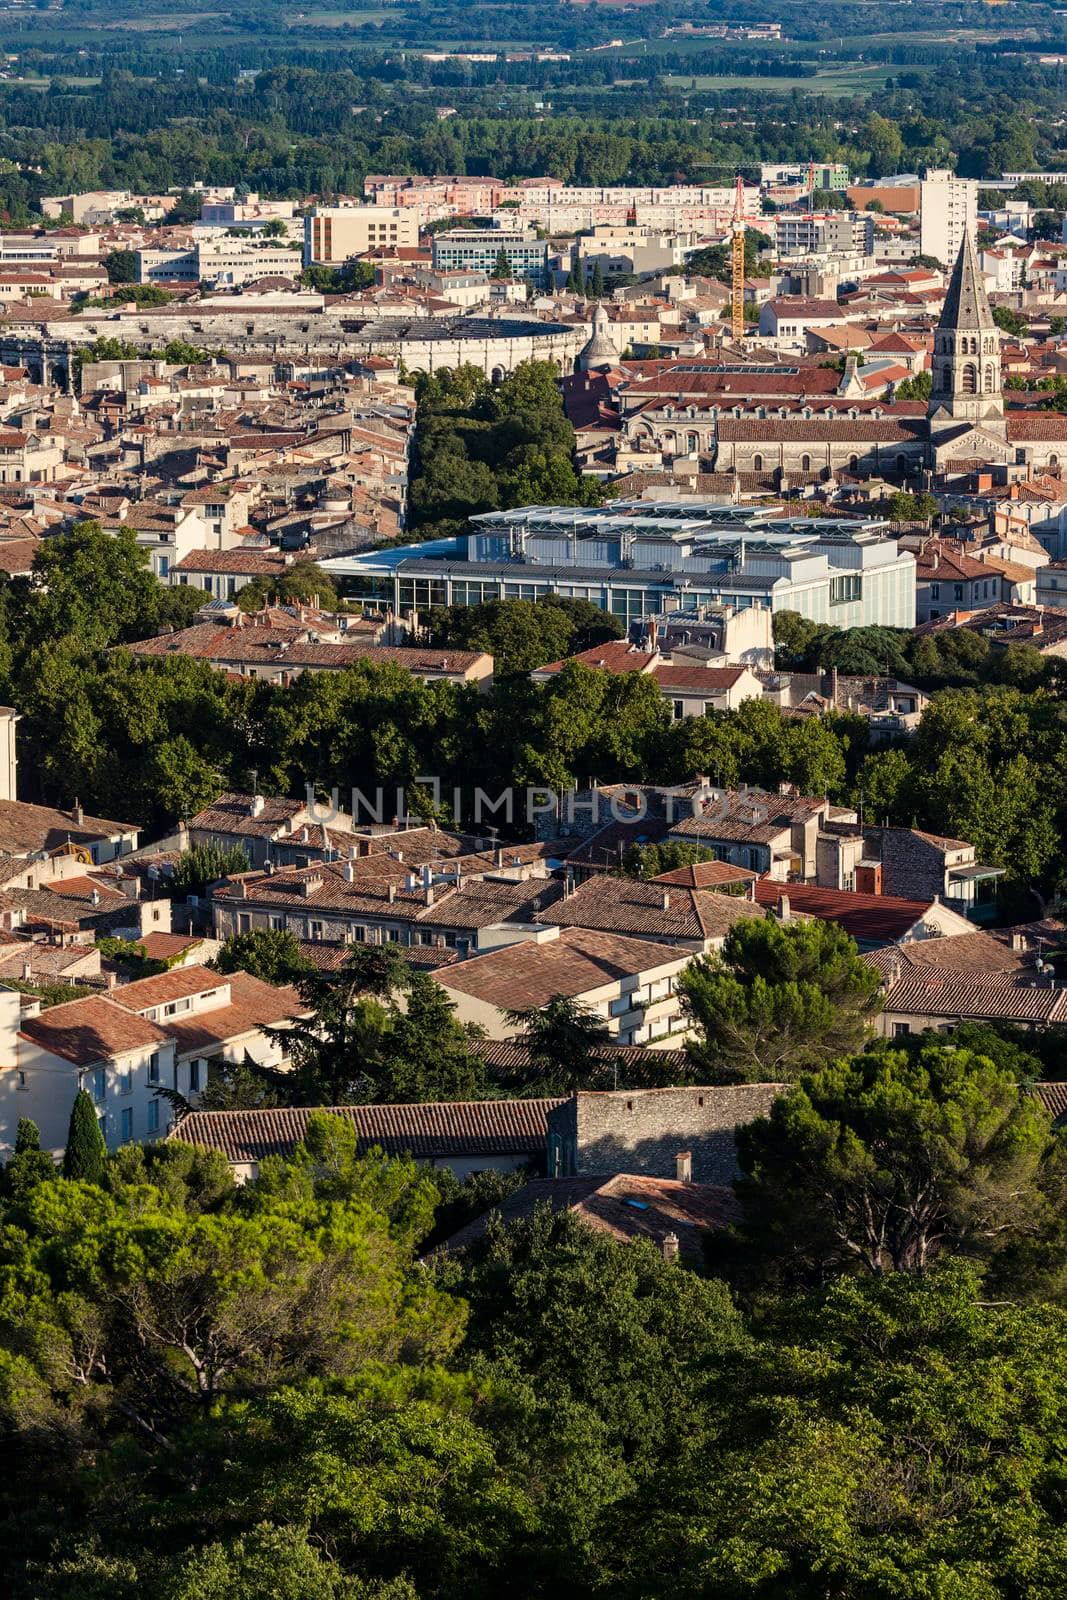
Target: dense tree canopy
[784, 997]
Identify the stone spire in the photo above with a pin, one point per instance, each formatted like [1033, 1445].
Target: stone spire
[966, 368]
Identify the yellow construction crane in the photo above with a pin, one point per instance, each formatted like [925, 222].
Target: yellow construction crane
[737, 264]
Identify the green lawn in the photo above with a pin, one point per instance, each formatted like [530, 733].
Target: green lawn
[857, 78]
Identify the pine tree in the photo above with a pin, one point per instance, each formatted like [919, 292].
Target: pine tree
[86, 1151]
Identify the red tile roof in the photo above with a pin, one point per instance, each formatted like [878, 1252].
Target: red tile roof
[625, 1206]
[649, 910]
[577, 962]
[440, 1129]
[867, 917]
[91, 1030]
[707, 875]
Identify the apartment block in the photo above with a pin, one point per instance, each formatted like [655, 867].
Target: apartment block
[334, 234]
[948, 208]
[478, 249]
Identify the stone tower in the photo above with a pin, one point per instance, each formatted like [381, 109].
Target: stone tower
[600, 353]
[966, 370]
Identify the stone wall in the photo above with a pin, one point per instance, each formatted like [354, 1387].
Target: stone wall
[644, 1130]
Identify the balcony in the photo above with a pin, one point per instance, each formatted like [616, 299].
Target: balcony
[973, 890]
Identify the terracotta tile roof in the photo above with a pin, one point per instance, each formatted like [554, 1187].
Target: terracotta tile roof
[605, 848]
[979, 954]
[238, 562]
[867, 917]
[625, 1206]
[713, 681]
[287, 648]
[232, 813]
[178, 984]
[253, 1005]
[942, 561]
[91, 1030]
[16, 555]
[50, 959]
[615, 655]
[577, 962]
[707, 875]
[1026, 425]
[165, 946]
[441, 1129]
[982, 999]
[1053, 1097]
[634, 907]
[25, 828]
[753, 815]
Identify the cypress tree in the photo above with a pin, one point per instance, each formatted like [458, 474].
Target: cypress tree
[86, 1151]
[27, 1136]
[596, 287]
[30, 1165]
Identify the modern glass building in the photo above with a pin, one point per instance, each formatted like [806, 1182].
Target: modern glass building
[641, 558]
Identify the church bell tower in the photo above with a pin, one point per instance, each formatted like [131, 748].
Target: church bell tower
[966, 370]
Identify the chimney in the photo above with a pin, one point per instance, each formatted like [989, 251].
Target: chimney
[256, 807]
[77, 814]
[666, 899]
[353, 852]
[1018, 941]
[349, 873]
[429, 894]
[683, 1166]
[27, 969]
[783, 908]
[392, 893]
[242, 890]
[670, 1248]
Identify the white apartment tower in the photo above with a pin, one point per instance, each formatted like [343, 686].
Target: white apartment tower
[948, 210]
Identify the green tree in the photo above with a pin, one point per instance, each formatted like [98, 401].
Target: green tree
[86, 1152]
[882, 1162]
[268, 1561]
[271, 954]
[564, 1040]
[303, 582]
[782, 998]
[502, 265]
[1013, 322]
[918, 388]
[121, 266]
[29, 1164]
[649, 860]
[875, 1438]
[91, 587]
[207, 863]
[381, 1032]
